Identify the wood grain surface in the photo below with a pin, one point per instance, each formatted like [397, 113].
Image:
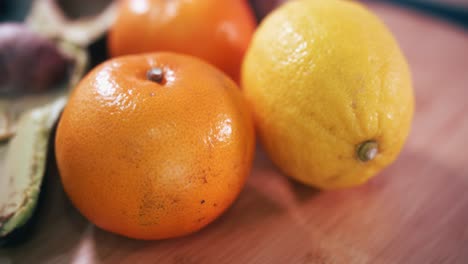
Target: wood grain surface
[416, 211]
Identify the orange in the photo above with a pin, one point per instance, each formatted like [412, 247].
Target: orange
[216, 31]
[154, 146]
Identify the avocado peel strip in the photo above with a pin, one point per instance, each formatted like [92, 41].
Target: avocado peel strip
[23, 164]
[23, 161]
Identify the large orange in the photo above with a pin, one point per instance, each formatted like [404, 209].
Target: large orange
[216, 31]
[159, 157]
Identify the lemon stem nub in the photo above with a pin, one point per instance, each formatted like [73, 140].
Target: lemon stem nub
[155, 74]
[367, 151]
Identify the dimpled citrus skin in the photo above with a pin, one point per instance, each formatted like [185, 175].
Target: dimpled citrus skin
[149, 160]
[322, 77]
[216, 31]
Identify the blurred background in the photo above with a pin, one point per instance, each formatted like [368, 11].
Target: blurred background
[455, 11]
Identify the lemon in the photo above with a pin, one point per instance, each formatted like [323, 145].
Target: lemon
[330, 90]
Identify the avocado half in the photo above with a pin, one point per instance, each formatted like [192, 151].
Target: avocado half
[22, 166]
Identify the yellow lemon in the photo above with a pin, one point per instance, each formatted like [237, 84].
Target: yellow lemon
[330, 90]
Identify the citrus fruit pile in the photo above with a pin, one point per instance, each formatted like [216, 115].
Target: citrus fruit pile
[159, 143]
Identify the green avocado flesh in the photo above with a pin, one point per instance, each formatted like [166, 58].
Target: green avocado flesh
[22, 166]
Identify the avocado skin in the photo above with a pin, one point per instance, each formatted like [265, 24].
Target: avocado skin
[22, 233]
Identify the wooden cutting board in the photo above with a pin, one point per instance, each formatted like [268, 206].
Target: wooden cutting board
[416, 211]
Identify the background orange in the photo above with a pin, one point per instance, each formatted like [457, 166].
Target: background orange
[216, 31]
